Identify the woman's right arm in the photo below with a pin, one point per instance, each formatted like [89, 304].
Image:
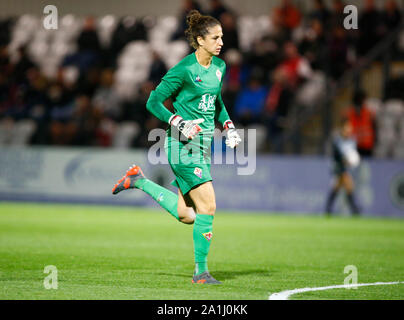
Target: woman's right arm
[170, 84]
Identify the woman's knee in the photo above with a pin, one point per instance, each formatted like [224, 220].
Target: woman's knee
[207, 208]
[186, 215]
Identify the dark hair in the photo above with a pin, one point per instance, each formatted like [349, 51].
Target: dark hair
[198, 25]
[358, 98]
[343, 121]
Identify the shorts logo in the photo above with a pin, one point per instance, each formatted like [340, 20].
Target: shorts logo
[219, 75]
[208, 235]
[198, 172]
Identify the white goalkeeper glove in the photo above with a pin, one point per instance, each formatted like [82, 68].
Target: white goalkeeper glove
[233, 138]
[189, 128]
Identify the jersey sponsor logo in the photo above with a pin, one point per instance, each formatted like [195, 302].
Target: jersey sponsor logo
[198, 79]
[198, 172]
[219, 74]
[207, 102]
[208, 235]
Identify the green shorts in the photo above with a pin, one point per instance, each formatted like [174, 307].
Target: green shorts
[190, 164]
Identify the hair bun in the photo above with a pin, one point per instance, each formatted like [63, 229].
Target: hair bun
[193, 17]
[198, 26]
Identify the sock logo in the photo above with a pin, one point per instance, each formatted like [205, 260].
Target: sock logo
[161, 197]
[208, 235]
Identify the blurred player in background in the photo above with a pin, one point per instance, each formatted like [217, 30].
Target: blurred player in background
[345, 158]
[194, 85]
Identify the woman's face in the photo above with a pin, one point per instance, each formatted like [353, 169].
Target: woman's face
[212, 42]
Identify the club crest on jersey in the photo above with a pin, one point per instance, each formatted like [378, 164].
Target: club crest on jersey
[219, 75]
[198, 172]
[208, 235]
[198, 79]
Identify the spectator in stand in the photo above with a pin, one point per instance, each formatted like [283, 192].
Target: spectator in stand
[391, 16]
[157, 69]
[89, 52]
[88, 38]
[266, 52]
[250, 102]
[370, 28]
[286, 79]
[5, 31]
[337, 14]
[288, 14]
[187, 6]
[128, 29]
[230, 32]
[217, 9]
[338, 53]
[277, 104]
[363, 123]
[320, 13]
[85, 120]
[105, 99]
[314, 45]
[296, 67]
[236, 73]
[79, 127]
[137, 111]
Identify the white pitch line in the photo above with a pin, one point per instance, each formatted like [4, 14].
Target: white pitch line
[284, 295]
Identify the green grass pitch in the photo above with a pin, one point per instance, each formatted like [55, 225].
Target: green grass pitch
[105, 252]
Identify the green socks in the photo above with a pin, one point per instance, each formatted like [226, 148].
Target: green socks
[164, 197]
[202, 235]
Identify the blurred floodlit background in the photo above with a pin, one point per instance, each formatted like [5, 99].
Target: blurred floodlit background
[293, 71]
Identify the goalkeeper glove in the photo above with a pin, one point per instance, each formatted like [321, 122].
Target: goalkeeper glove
[233, 138]
[189, 128]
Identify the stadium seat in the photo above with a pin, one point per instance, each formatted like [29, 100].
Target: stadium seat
[260, 135]
[125, 133]
[245, 26]
[175, 52]
[374, 104]
[16, 133]
[398, 151]
[401, 128]
[106, 25]
[168, 23]
[401, 41]
[385, 120]
[394, 108]
[311, 91]
[23, 132]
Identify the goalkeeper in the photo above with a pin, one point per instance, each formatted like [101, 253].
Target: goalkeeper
[194, 85]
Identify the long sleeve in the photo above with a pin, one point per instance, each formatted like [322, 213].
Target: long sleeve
[221, 113]
[170, 84]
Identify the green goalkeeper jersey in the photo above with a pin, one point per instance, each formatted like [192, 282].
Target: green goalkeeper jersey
[195, 91]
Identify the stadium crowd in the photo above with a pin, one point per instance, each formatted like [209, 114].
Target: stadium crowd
[81, 103]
